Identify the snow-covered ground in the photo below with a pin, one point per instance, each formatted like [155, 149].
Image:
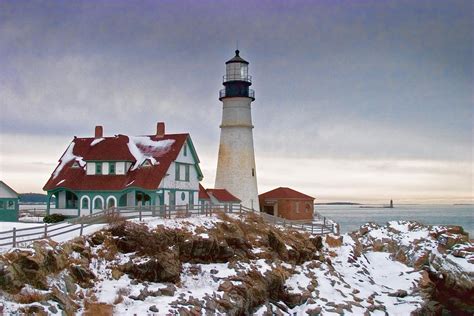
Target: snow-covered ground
[352, 277]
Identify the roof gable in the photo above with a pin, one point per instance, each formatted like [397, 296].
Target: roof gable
[6, 191]
[284, 193]
[222, 195]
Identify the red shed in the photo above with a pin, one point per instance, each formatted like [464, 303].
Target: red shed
[287, 203]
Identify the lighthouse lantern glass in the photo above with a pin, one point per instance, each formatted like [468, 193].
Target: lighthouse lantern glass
[237, 71]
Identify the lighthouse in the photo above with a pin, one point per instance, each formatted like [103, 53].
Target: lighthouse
[236, 169]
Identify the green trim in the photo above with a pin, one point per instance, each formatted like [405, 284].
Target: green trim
[195, 157]
[9, 210]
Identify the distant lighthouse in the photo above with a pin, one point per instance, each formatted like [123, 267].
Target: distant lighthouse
[236, 169]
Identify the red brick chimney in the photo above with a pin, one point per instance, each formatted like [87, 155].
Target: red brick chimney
[160, 129]
[99, 131]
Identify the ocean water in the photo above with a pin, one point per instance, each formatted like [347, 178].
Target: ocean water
[351, 217]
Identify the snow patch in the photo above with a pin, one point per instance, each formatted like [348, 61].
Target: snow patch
[143, 148]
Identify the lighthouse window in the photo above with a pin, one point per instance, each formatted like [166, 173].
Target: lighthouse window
[253, 172]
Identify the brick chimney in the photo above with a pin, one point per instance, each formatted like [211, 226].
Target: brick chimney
[160, 129]
[99, 131]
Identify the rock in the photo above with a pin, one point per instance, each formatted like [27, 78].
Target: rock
[317, 242]
[314, 311]
[53, 309]
[333, 241]
[399, 293]
[278, 245]
[153, 309]
[82, 275]
[165, 267]
[65, 302]
[169, 290]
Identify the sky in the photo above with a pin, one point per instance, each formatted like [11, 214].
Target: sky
[355, 100]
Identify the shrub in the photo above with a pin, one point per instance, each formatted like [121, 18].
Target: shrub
[54, 218]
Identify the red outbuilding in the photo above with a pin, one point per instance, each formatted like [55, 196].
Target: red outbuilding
[287, 203]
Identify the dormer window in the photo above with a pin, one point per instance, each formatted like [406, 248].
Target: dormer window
[185, 150]
[75, 165]
[146, 163]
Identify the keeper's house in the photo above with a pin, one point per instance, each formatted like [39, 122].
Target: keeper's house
[8, 203]
[125, 171]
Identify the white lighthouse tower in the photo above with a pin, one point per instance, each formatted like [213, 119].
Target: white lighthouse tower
[236, 170]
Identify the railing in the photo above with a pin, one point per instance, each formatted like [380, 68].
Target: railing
[324, 226]
[23, 236]
[250, 94]
[236, 77]
[20, 236]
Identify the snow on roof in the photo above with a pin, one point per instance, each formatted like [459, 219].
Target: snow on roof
[96, 141]
[144, 148]
[67, 157]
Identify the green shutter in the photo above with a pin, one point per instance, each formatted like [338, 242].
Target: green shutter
[187, 173]
[111, 167]
[98, 168]
[176, 169]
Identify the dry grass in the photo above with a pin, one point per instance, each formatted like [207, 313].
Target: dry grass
[121, 292]
[114, 218]
[28, 297]
[98, 309]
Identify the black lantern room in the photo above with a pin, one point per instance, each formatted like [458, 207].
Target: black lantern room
[237, 80]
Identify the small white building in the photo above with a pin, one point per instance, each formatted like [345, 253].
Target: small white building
[9, 208]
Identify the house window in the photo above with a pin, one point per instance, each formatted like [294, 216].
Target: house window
[111, 167]
[191, 198]
[98, 168]
[253, 172]
[1, 205]
[11, 205]
[98, 204]
[185, 150]
[85, 204]
[179, 176]
[297, 207]
[183, 196]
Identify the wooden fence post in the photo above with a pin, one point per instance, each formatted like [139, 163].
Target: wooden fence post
[240, 209]
[140, 214]
[322, 227]
[312, 228]
[14, 237]
[45, 230]
[82, 228]
[153, 210]
[187, 210]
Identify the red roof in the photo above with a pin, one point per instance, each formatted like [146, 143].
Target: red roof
[285, 193]
[203, 194]
[222, 195]
[116, 149]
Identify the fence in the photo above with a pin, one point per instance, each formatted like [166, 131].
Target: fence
[17, 236]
